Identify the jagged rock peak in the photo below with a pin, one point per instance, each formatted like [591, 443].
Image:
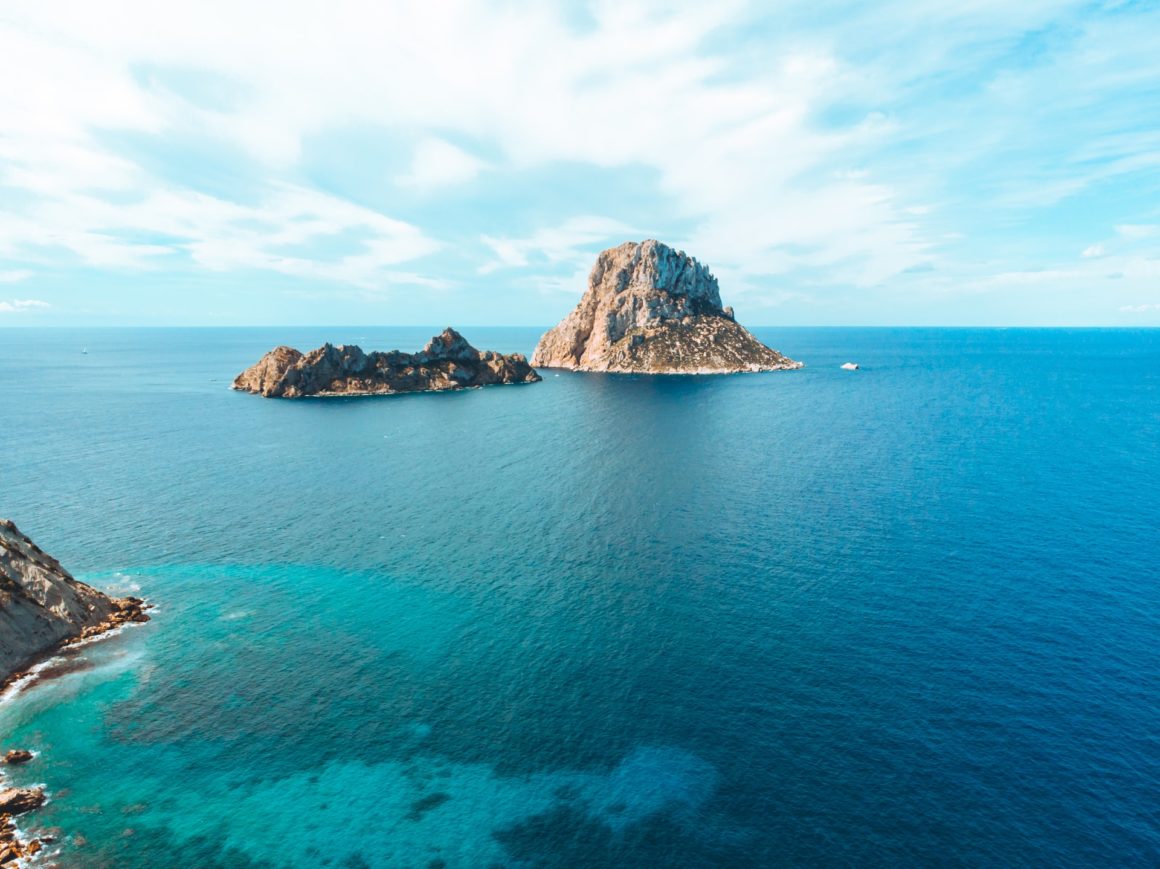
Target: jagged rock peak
[448, 361]
[653, 309]
[449, 344]
[651, 269]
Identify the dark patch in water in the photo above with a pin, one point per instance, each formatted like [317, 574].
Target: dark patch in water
[146, 845]
[567, 837]
[422, 806]
[74, 663]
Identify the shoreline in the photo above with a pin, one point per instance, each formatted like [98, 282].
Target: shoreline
[384, 393]
[20, 847]
[692, 372]
[133, 612]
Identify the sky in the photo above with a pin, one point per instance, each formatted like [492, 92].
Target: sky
[459, 162]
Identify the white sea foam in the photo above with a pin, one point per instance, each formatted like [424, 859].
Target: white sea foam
[31, 676]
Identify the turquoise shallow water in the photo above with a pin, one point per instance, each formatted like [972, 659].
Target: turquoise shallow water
[904, 615]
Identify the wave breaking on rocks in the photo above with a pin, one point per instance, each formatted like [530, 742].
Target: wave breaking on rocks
[43, 608]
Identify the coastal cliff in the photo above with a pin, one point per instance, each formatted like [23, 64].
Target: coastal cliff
[447, 362]
[42, 607]
[652, 309]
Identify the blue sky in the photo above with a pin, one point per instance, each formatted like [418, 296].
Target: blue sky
[224, 163]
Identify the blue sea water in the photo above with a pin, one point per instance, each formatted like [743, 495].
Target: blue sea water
[900, 616]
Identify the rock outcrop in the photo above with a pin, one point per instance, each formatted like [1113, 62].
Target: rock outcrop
[42, 607]
[447, 362]
[652, 309]
[17, 801]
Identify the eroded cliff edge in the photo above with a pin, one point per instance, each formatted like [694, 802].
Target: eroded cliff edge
[652, 309]
[447, 362]
[42, 607]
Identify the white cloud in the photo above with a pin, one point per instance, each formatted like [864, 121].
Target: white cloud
[732, 146]
[730, 134]
[15, 276]
[215, 234]
[1093, 250]
[437, 163]
[1140, 309]
[1031, 278]
[1140, 267]
[567, 286]
[15, 306]
[576, 240]
[1138, 231]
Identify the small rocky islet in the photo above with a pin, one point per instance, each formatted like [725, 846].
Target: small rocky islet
[448, 362]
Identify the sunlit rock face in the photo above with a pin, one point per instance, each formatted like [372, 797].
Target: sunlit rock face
[652, 309]
[42, 606]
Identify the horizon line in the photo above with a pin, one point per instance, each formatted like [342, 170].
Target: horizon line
[62, 326]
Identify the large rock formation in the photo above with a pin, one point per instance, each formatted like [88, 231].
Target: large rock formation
[42, 607]
[447, 362]
[652, 309]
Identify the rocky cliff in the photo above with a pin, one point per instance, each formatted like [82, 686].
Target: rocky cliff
[42, 607]
[447, 362]
[652, 309]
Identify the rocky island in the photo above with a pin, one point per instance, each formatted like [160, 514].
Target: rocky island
[42, 607]
[447, 362]
[652, 309]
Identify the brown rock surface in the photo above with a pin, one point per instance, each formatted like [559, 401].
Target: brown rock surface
[447, 362]
[17, 801]
[12, 845]
[42, 607]
[652, 309]
[17, 756]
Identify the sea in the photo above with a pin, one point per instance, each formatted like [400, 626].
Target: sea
[907, 615]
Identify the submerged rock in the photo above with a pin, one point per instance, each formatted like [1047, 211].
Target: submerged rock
[652, 309]
[447, 362]
[42, 607]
